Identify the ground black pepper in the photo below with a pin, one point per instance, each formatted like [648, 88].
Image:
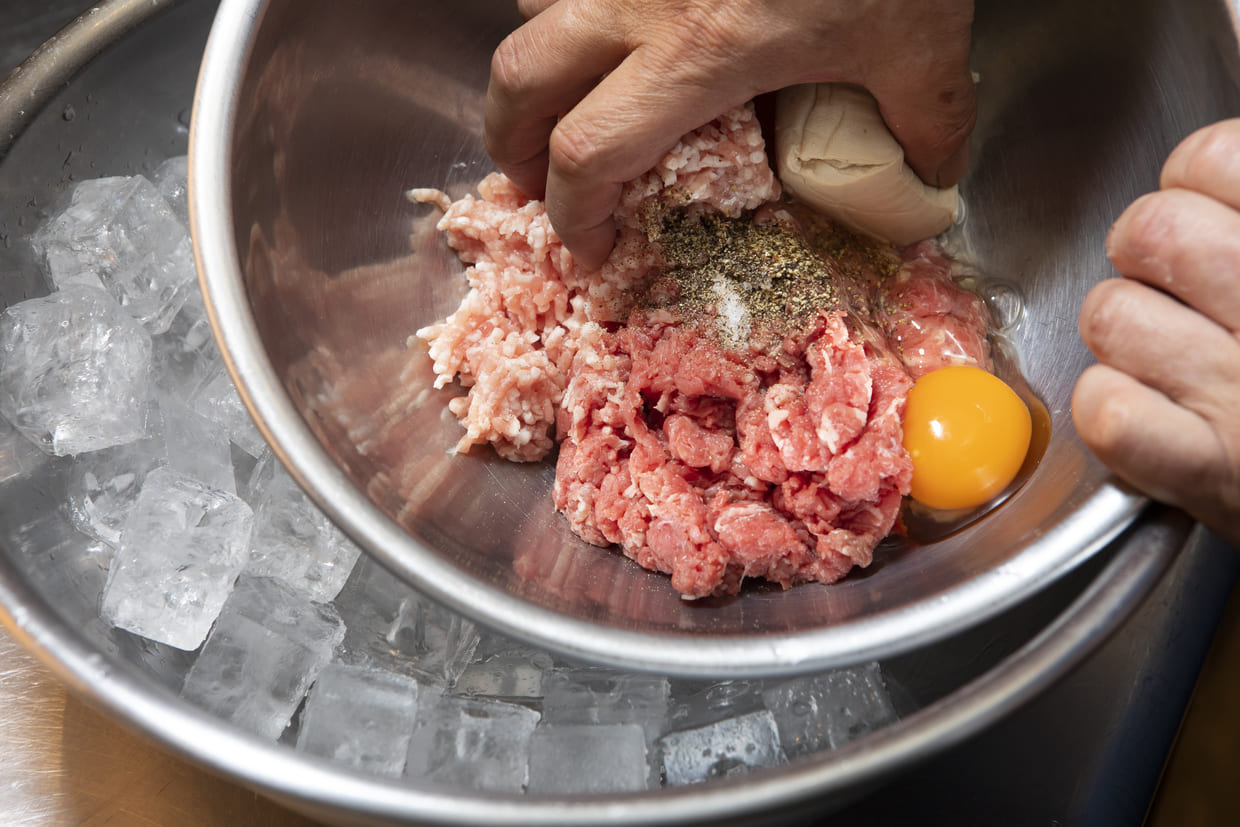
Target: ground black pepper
[767, 276]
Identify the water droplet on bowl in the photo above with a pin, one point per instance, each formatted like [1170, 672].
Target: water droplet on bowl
[1005, 302]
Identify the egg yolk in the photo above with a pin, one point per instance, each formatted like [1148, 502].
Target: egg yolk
[967, 433]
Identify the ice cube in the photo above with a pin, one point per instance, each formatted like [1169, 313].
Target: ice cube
[185, 356]
[120, 233]
[18, 456]
[825, 711]
[360, 716]
[105, 485]
[473, 743]
[197, 445]
[505, 669]
[74, 370]
[696, 704]
[391, 626]
[293, 539]
[181, 547]
[219, 400]
[729, 747]
[598, 695]
[266, 649]
[573, 759]
[171, 178]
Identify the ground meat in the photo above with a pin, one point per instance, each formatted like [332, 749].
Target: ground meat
[661, 423]
[708, 458]
[513, 337]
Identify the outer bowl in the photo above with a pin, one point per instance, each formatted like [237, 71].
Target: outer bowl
[313, 117]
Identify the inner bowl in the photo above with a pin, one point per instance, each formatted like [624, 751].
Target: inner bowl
[312, 119]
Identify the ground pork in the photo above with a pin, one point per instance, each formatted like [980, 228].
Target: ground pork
[711, 459]
[513, 337]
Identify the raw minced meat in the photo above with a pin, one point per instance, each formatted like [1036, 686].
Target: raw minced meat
[776, 455]
[513, 338]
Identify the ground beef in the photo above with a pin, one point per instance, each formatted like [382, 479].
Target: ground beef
[778, 457]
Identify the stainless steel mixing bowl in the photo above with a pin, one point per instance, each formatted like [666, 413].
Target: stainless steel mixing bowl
[313, 117]
[125, 71]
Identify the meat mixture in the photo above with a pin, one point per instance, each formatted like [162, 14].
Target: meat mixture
[726, 392]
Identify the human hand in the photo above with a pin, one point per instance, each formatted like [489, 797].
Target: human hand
[1161, 407]
[589, 94]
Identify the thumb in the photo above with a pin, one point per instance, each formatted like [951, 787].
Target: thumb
[932, 119]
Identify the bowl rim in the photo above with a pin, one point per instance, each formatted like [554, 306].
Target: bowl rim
[1100, 517]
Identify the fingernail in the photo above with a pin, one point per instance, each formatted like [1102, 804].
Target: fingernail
[592, 247]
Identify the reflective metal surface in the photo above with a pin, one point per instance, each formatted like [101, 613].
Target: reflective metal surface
[128, 104]
[313, 118]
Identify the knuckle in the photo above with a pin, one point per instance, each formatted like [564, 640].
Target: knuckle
[1103, 312]
[575, 149]
[1102, 419]
[1146, 229]
[530, 8]
[507, 62]
[1205, 156]
[953, 127]
[959, 113]
[696, 42]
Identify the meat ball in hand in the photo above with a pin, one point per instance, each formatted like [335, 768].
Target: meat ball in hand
[589, 94]
[1161, 406]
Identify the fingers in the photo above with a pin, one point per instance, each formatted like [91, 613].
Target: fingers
[530, 8]
[926, 94]
[539, 72]
[589, 94]
[617, 132]
[932, 121]
[1160, 407]
[1186, 244]
[1165, 345]
[1165, 450]
[1208, 162]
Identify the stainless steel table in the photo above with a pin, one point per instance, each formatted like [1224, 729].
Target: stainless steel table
[1089, 751]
